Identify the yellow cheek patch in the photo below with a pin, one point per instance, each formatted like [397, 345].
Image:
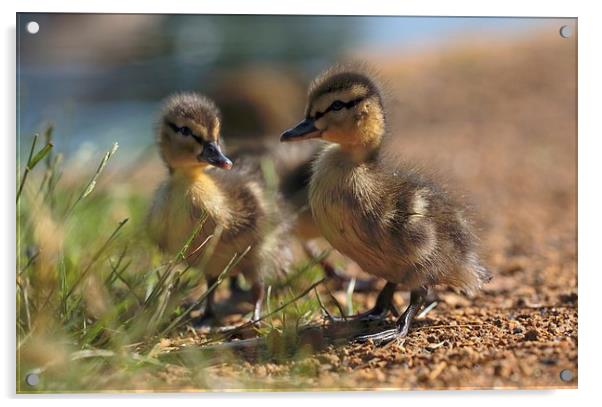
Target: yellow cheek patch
[216, 130]
[199, 131]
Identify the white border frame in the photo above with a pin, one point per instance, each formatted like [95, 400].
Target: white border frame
[589, 120]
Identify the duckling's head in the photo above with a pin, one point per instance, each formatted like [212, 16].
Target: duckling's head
[189, 133]
[345, 107]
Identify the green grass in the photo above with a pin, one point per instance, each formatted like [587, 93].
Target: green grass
[95, 297]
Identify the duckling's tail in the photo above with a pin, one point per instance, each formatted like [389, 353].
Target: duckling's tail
[472, 276]
[482, 273]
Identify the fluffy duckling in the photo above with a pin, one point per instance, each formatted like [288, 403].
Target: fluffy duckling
[395, 222]
[238, 210]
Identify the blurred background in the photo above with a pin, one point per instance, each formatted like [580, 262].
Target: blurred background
[100, 78]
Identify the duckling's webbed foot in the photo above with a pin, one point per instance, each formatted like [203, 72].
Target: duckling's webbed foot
[403, 324]
[384, 304]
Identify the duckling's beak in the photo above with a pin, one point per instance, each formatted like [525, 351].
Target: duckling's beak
[302, 131]
[212, 154]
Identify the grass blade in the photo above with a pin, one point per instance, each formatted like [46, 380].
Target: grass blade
[40, 156]
[349, 296]
[95, 258]
[32, 161]
[269, 314]
[233, 262]
[92, 183]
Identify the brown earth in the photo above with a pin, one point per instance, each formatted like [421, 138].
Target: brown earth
[499, 121]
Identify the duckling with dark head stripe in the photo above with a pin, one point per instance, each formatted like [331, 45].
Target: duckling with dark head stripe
[237, 208]
[394, 221]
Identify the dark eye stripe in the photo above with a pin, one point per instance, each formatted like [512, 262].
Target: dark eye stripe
[173, 127]
[185, 131]
[338, 105]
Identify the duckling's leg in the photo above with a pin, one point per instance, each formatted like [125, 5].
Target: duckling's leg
[430, 302]
[208, 315]
[257, 292]
[234, 285]
[384, 303]
[404, 322]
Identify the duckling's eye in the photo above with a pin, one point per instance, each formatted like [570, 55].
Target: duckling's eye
[337, 105]
[185, 131]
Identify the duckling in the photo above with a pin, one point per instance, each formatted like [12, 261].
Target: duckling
[389, 217]
[236, 207]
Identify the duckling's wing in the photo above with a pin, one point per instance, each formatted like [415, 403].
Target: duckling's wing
[435, 232]
[259, 214]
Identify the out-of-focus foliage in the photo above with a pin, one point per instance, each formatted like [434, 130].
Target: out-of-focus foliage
[94, 296]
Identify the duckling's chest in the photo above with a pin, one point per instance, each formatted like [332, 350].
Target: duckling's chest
[181, 207]
[345, 203]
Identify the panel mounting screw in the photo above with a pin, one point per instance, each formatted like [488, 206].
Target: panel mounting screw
[566, 375]
[566, 31]
[32, 379]
[32, 27]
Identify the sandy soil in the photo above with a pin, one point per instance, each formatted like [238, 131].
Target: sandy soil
[500, 123]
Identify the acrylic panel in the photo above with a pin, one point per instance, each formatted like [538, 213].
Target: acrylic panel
[295, 203]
